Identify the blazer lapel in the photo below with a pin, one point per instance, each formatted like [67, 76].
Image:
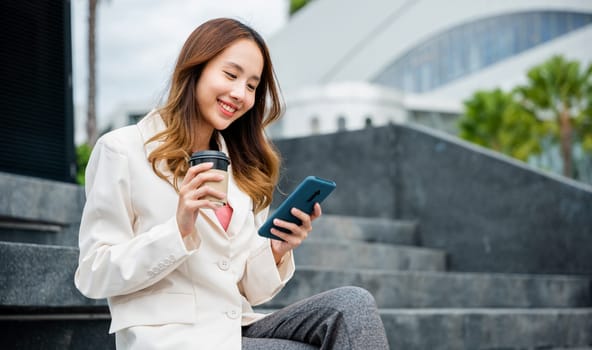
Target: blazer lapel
[241, 205]
[239, 201]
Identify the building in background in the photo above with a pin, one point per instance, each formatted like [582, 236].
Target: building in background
[355, 105]
[417, 60]
[126, 114]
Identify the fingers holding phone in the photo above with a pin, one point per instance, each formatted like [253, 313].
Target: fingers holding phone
[291, 223]
[293, 234]
[306, 198]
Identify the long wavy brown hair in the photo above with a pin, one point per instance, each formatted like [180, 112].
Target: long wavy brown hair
[255, 162]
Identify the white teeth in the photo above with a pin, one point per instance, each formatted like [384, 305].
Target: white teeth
[227, 108]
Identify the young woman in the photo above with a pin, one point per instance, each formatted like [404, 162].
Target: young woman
[180, 272]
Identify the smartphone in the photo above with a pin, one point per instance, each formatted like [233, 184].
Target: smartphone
[311, 190]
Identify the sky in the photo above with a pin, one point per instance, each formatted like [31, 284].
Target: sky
[137, 44]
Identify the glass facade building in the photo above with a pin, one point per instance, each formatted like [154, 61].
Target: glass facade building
[473, 46]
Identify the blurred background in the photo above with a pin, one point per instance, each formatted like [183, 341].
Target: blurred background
[513, 76]
[137, 42]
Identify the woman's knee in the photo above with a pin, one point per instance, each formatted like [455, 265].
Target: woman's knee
[355, 297]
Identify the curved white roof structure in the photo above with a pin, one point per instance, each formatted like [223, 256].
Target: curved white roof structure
[343, 40]
[436, 52]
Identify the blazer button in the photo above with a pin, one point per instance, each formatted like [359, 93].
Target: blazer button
[233, 314]
[224, 264]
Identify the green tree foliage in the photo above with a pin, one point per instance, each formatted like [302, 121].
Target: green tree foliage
[482, 121]
[296, 5]
[82, 156]
[521, 133]
[493, 119]
[554, 106]
[584, 121]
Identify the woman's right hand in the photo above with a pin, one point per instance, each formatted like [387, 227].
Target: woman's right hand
[191, 196]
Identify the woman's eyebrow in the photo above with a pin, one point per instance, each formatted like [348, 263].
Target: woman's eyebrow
[240, 69]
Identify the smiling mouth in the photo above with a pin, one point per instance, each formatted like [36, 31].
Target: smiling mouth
[228, 108]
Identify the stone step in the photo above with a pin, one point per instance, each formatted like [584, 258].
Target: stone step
[377, 230]
[340, 254]
[72, 332]
[39, 233]
[327, 227]
[418, 329]
[36, 276]
[38, 200]
[414, 289]
[433, 329]
[46, 287]
[48, 283]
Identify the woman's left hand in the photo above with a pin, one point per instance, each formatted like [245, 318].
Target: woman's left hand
[298, 232]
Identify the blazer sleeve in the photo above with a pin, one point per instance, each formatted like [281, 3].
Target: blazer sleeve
[113, 259]
[262, 279]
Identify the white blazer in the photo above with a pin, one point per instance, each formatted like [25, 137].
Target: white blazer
[131, 251]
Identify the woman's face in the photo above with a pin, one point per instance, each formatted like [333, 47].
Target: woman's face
[226, 87]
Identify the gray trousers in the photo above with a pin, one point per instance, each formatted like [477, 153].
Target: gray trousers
[342, 318]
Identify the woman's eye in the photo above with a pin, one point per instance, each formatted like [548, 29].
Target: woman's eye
[230, 75]
[251, 87]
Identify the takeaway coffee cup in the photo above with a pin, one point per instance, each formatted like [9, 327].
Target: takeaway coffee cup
[220, 166]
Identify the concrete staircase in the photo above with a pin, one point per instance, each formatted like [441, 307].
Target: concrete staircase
[39, 306]
[423, 305]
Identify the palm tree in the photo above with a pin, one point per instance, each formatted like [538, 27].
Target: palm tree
[91, 116]
[559, 91]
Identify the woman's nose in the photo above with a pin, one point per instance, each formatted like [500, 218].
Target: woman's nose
[238, 92]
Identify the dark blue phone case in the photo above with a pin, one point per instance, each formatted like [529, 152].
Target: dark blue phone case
[310, 191]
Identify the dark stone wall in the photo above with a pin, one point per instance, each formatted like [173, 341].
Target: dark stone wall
[489, 212]
[362, 163]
